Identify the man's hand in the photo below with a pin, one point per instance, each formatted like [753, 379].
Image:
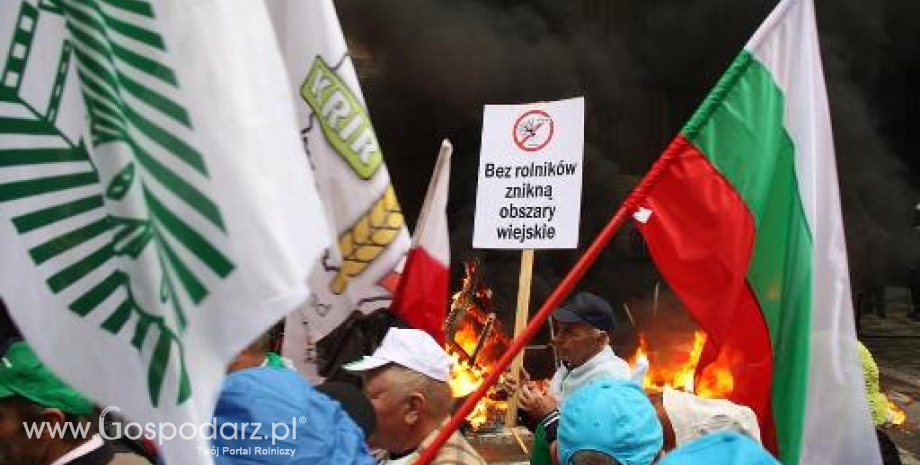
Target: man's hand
[510, 384]
[536, 400]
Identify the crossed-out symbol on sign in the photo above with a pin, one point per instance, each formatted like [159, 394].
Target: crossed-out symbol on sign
[533, 130]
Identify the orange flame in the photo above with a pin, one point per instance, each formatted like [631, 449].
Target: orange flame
[472, 358]
[464, 379]
[896, 415]
[715, 380]
[466, 338]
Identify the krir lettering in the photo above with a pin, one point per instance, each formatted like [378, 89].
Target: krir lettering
[343, 119]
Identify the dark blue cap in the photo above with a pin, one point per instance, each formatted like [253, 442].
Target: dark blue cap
[586, 308]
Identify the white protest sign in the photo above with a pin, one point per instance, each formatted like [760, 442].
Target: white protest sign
[529, 194]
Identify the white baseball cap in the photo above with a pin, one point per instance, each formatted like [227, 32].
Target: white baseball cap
[693, 416]
[411, 348]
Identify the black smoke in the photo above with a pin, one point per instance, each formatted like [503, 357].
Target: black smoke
[428, 67]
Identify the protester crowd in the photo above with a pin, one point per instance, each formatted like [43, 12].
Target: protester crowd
[593, 412]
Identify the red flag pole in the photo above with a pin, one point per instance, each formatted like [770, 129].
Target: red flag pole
[561, 292]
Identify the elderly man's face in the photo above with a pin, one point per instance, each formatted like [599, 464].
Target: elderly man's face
[16, 447]
[395, 415]
[576, 342]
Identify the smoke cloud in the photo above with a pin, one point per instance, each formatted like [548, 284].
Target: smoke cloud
[428, 67]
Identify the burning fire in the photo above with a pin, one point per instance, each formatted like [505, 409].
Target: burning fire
[475, 342]
[714, 382]
[464, 379]
[896, 415]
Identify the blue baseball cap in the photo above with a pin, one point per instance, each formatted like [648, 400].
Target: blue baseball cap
[586, 308]
[613, 417]
[723, 447]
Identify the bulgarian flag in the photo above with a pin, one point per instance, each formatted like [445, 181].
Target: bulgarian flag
[744, 223]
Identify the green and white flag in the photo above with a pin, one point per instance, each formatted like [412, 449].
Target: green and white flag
[156, 208]
[358, 272]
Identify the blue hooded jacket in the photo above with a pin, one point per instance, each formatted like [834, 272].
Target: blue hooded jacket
[287, 407]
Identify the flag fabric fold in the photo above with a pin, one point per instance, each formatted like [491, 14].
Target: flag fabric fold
[359, 271]
[156, 208]
[745, 225]
[422, 296]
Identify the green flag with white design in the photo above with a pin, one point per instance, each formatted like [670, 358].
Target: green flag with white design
[157, 210]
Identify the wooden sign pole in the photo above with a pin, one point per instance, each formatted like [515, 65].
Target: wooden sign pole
[521, 317]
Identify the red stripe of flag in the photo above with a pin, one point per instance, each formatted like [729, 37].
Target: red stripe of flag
[701, 234]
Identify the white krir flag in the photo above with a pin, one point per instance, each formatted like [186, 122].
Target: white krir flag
[156, 208]
[357, 273]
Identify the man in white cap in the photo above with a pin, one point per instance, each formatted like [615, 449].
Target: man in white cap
[406, 381]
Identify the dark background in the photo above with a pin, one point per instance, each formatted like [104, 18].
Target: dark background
[428, 66]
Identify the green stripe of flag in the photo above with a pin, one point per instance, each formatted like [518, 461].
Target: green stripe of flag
[102, 73]
[137, 7]
[179, 187]
[103, 95]
[26, 126]
[21, 189]
[101, 291]
[23, 38]
[134, 32]
[58, 245]
[86, 41]
[740, 129]
[144, 64]
[77, 271]
[44, 217]
[105, 121]
[93, 20]
[14, 157]
[50, 5]
[119, 317]
[190, 238]
[105, 135]
[158, 363]
[57, 93]
[140, 331]
[106, 21]
[155, 100]
[185, 384]
[101, 46]
[167, 140]
[196, 291]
